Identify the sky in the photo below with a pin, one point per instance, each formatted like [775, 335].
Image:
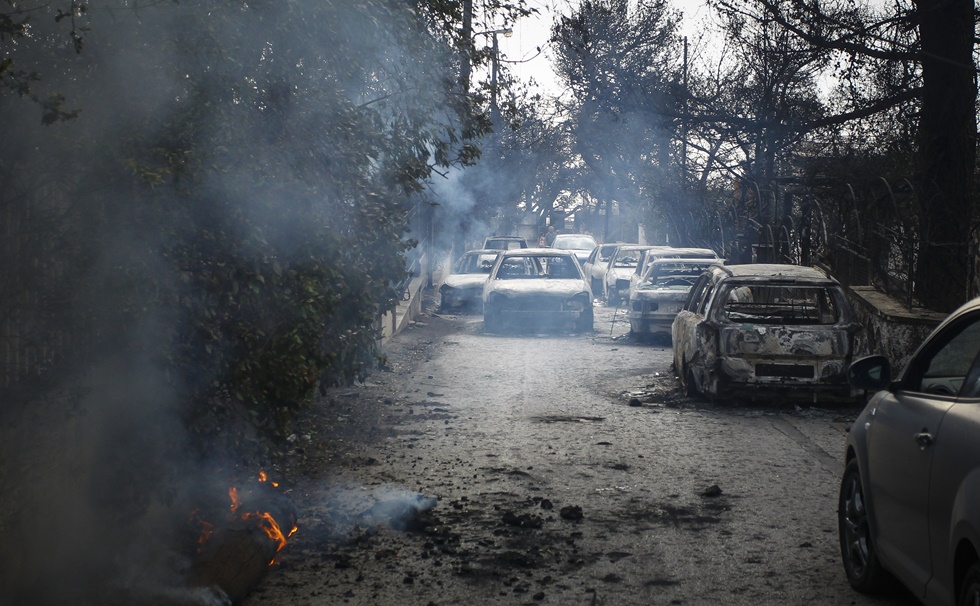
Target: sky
[520, 49]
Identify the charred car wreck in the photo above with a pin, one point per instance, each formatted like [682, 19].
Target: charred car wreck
[534, 288]
[766, 331]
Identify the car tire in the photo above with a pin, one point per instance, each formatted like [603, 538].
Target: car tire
[690, 388]
[864, 571]
[969, 590]
[596, 288]
[586, 322]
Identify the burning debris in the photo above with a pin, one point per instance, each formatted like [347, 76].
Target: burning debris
[236, 552]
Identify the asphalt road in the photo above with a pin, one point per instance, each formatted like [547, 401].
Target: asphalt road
[557, 469]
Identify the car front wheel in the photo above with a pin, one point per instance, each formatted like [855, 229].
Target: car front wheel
[970, 588]
[864, 572]
[491, 320]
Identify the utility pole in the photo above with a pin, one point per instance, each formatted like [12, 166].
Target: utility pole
[466, 42]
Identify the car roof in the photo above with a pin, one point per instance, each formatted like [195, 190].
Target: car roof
[769, 271]
[691, 260]
[685, 250]
[535, 251]
[639, 246]
[483, 251]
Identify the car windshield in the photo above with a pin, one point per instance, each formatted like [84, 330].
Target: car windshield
[779, 304]
[474, 263]
[525, 267]
[673, 276]
[575, 243]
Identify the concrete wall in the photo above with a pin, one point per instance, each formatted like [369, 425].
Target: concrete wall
[892, 330]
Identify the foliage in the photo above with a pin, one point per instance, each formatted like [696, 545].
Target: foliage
[623, 68]
[234, 187]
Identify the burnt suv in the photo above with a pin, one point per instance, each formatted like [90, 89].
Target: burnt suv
[766, 331]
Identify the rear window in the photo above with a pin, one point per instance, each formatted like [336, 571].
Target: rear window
[575, 243]
[522, 268]
[772, 304]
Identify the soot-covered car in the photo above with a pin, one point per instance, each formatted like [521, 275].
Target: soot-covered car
[666, 252]
[766, 331]
[463, 287]
[622, 264]
[657, 298]
[909, 504]
[534, 288]
[597, 263]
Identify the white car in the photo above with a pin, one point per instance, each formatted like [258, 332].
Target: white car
[660, 295]
[580, 244]
[595, 266]
[463, 287]
[622, 264]
[667, 252]
[532, 288]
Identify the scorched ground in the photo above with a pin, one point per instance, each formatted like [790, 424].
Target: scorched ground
[557, 469]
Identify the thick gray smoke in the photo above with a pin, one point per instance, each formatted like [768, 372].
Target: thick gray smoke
[251, 135]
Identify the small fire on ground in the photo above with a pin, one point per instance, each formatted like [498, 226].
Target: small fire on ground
[248, 510]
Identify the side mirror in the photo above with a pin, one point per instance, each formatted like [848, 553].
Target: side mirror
[871, 373]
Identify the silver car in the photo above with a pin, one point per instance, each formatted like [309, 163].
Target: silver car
[909, 505]
[532, 288]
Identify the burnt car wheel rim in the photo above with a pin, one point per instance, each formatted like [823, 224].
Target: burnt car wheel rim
[854, 523]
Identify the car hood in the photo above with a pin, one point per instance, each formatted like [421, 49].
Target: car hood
[466, 280]
[545, 286]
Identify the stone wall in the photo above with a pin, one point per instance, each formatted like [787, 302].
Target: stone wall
[892, 329]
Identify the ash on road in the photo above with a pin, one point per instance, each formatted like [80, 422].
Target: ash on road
[557, 469]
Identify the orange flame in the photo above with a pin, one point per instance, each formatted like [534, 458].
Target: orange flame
[263, 478]
[266, 522]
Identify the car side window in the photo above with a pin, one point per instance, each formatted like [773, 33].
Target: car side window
[952, 368]
[694, 297]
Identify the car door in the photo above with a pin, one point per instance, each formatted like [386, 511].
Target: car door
[904, 433]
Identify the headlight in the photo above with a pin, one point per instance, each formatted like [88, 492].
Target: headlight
[579, 302]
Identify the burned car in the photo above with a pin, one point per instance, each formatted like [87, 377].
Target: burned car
[537, 287]
[595, 266]
[463, 287]
[660, 295]
[909, 494]
[766, 331]
[666, 252]
[622, 264]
